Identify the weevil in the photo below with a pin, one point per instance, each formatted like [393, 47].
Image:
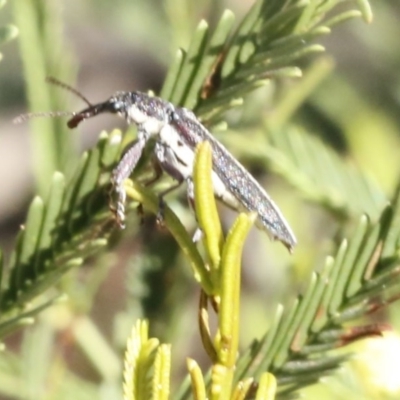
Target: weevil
[176, 132]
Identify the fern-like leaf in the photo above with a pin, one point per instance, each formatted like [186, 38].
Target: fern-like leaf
[220, 67]
[61, 232]
[318, 172]
[296, 347]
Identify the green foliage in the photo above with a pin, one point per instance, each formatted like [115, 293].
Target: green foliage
[44, 54]
[146, 364]
[69, 223]
[267, 44]
[62, 232]
[7, 32]
[294, 349]
[318, 172]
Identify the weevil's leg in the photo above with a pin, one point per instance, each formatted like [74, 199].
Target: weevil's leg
[157, 170]
[157, 173]
[198, 233]
[121, 172]
[168, 162]
[161, 201]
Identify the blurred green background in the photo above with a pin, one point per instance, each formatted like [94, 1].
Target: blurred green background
[128, 45]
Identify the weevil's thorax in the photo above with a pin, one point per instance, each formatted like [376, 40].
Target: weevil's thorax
[149, 113]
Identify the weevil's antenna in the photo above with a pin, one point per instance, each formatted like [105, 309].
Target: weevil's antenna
[56, 82]
[24, 117]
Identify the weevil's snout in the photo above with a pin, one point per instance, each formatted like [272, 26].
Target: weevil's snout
[115, 105]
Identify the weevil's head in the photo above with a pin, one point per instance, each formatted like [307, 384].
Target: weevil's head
[151, 113]
[117, 104]
[134, 107]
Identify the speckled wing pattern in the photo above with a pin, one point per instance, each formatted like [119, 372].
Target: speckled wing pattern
[235, 177]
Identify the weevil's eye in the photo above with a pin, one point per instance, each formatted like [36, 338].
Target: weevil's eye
[174, 116]
[116, 105]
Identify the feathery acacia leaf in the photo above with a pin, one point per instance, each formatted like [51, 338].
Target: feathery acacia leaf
[296, 347]
[318, 173]
[59, 233]
[323, 177]
[269, 42]
[43, 53]
[147, 366]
